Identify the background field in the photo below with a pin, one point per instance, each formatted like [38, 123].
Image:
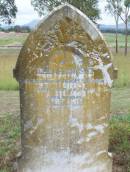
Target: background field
[12, 39]
[110, 38]
[9, 104]
[8, 59]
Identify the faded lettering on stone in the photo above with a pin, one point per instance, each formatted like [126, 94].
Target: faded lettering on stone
[65, 74]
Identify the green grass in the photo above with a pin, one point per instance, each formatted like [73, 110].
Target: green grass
[120, 127]
[120, 139]
[12, 38]
[120, 103]
[123, 64]
[110, 38]
[9, 136]
[8, 59]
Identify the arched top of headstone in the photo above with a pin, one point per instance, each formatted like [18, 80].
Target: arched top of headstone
[74, 14]
[65, 27]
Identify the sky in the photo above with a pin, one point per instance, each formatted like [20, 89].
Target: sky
[26, 13]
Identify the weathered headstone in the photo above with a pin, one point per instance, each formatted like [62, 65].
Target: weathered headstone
[65, 73]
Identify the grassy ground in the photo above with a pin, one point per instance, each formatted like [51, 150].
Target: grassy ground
[110, 38]
[7, 39]
[9, 141]
[120, 101]
[9, 129]
[7, 62]
[123, 64]
[120, 142]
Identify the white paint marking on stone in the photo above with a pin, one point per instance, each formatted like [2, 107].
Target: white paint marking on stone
[100, 128]
[110, 154]
[89, 126]
[92, 134]
[74, 123]
[101, 152]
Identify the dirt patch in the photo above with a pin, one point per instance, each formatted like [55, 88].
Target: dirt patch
[119, 164]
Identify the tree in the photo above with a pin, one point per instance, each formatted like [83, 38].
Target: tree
[8, 10]
[89, 7]
[127, 8]
[115, 9]
[125, 11]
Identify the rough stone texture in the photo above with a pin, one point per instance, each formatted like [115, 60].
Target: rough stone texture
[65, 74]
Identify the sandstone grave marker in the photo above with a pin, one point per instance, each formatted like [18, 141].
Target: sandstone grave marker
[65, 73]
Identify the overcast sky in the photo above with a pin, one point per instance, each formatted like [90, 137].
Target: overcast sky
[26, 13]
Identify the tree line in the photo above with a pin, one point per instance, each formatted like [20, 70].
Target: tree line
[17, 29]
[119, 9]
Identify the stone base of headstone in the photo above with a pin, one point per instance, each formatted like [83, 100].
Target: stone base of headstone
[63, 162]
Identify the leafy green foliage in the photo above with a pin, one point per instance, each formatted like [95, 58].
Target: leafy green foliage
[89, 7]
[8, 10]
[127, 3]
[114, 7]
